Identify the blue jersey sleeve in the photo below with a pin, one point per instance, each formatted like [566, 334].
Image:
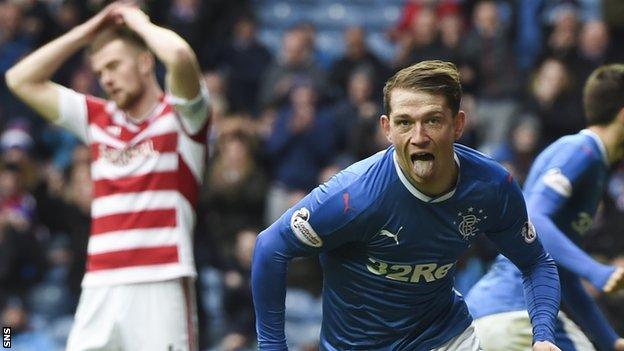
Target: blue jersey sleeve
[321, 221]
[546, 198]
[517, 240]
[585, 312]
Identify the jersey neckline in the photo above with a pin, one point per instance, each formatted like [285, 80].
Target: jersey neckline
[417, 193]
[598, 141]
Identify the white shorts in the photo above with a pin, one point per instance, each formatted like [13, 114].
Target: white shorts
[466, 341]
[144, 316]
[512, 331]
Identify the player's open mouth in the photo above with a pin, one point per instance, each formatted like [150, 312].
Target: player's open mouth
[422, 156]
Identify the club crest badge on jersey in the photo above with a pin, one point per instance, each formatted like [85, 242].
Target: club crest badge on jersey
[302, 228]
[528, 232]
[468, 222]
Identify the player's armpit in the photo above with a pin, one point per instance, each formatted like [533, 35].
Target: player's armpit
[41, 97]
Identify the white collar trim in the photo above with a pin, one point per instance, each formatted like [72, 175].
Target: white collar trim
[601, 146]
[419, 195]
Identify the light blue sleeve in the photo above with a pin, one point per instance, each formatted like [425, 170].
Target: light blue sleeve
[518, 241]
[552, 192]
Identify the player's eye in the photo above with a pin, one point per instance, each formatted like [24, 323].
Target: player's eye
[403, 123]
[433, 121]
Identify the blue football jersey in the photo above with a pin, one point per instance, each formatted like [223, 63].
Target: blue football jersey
[389, 252]
[562, 192]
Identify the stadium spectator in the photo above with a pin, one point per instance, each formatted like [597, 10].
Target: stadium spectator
[553, 102]
[357, 125]
[301, 143]
[562, 43]
[237, 300]
[422, 42]
[236, 186]
[357, 57]
[518, 152]
[592, 50]
[372, 276]
[243, 61]
[23, 335]
[487, 50]
[294, 63]
[148, 151]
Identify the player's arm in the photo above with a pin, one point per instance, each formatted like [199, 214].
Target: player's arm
[315, 224]
[545, 200]
[565, 252]
[29, 79]
[585, 312]
[183, 73]
[516, 240]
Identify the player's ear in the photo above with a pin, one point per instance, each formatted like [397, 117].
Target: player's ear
[384, 121]
[146, 62]
[459, 122]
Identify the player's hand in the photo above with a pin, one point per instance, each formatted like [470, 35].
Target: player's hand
[619, 344]
[615, 282]
[130, 15]
[101, 20]
[545, 346]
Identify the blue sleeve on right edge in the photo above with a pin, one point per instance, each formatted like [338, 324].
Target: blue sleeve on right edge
[268, 285]
[585, 312]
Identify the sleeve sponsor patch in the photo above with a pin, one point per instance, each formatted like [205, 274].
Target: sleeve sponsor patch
[528, 232]
[558, 182]
[300, 225]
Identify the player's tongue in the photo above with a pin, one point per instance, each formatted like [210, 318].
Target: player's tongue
[422, 163]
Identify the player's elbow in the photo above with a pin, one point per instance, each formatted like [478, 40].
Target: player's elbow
[17, 83]
[262, 246]
[12, 80]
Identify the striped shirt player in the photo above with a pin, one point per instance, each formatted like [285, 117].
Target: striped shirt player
[563, 190]
[148, 153]
[389, 255]
[146, 180]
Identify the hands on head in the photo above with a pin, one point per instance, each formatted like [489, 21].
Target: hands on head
[118, 13]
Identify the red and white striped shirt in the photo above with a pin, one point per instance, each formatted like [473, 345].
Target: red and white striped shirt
[146, 180]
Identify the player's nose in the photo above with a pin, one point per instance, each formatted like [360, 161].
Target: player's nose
[419, 135]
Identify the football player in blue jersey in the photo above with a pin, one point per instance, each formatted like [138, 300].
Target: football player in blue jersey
[562, 193]
[389, 230]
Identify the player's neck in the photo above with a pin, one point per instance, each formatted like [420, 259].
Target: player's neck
[440, 185]
[145, 104]
[611, 137]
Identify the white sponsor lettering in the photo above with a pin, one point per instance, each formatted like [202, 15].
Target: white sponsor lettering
[429, 272]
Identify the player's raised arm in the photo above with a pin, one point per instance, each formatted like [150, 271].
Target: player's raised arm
[29, 79]
[183, 73]
[517, 240]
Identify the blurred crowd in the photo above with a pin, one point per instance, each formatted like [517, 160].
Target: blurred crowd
[288, 115]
